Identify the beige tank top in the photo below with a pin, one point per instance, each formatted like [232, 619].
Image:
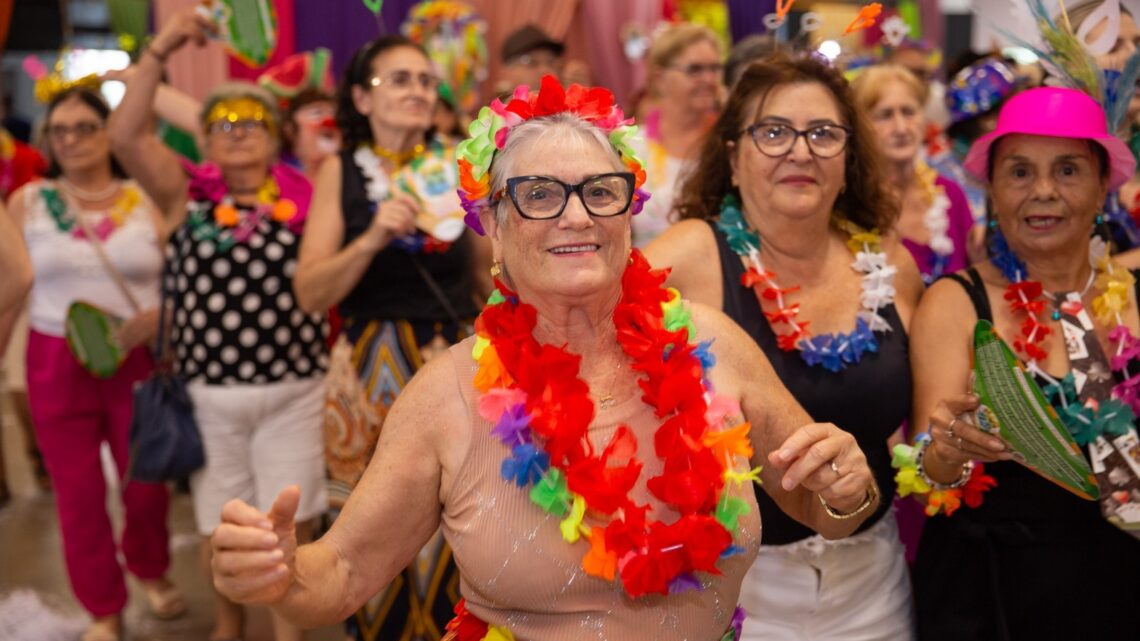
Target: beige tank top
[517, 572]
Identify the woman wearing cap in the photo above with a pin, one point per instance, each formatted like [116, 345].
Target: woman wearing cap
[1011, 567]
[833, 323]
[402, 279]
[935, 219]
[587, 476]
[253, 360]
[685, 66]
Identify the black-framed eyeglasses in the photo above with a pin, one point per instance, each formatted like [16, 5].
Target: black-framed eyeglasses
[775, 139]
[696, 69]
[82, 130]
[404, 79]
[544, 198]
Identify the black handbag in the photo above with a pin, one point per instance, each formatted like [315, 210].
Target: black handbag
[165, 442]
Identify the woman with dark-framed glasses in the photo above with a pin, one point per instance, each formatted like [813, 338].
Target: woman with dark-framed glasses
[253, 359]
[788, 229]
[587, 453]
[401, 274]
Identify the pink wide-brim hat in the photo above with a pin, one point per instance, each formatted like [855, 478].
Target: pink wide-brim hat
[1059, 113]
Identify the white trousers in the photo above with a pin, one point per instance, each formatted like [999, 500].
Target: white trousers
[259, 439]
[853, 589]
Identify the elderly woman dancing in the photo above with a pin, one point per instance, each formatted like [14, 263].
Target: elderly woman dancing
[582, 410]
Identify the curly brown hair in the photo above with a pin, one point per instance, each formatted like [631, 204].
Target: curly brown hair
[866, 200]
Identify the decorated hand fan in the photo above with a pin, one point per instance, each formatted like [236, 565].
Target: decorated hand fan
[91, 336]
[1014, 409]
[432, 180]
[248, 27]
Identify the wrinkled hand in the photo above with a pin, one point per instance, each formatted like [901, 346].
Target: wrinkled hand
[253, 552]
[184, 26]
[955, 440]
[139, 329]
[394, 218]
[807, 456]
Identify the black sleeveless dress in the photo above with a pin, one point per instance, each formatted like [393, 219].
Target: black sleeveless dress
[869, 399]
[390, 316]
[1032, 562]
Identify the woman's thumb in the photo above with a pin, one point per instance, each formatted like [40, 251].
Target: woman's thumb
[284, 509]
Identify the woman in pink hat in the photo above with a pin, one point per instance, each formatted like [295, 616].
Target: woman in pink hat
[1008, 564]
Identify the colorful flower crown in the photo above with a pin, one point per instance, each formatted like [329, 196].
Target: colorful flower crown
[490, 129]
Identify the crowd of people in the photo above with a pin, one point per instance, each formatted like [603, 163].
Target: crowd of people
[678, 372]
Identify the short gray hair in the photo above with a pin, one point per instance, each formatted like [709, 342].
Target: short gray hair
[561, 126]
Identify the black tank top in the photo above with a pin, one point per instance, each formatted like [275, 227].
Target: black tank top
[1020, 494]
[869, 399]
[392, 288]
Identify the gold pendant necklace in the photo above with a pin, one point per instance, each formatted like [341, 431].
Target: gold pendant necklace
[398, 158]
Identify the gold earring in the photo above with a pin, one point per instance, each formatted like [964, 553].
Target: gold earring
[496, 269]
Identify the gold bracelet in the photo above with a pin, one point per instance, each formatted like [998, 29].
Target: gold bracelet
[872, 494]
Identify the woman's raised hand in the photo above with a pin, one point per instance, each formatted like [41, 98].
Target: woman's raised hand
[185, 25]
[253, 551]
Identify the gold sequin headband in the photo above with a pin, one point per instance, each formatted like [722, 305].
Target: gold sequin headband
[237, 109]
[50, 86]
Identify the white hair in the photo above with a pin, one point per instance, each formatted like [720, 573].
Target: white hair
[561, 131]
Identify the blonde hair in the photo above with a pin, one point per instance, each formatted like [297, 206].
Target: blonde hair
[870, 85]
[1080, 13]
[668, 45]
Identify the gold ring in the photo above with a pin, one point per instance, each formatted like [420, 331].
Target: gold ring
[950, 428]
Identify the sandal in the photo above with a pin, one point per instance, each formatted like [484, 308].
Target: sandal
[103, 630]
[165, 600]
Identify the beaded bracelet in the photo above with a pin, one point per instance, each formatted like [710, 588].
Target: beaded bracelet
[938, 497]
[919, 455]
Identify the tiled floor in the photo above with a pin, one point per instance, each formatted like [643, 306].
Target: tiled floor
[36, 603]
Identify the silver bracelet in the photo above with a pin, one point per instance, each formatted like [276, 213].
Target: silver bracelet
[920, 453]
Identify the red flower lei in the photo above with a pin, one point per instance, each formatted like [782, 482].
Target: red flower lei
[538, 396]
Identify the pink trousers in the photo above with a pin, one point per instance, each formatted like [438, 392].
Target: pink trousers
[74, 413]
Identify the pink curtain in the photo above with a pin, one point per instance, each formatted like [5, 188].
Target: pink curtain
[591, 30]
[192, 70]
[933, 23]
[504, 16]
[602, 23]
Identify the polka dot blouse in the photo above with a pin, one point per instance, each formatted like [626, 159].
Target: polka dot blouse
[235, 320]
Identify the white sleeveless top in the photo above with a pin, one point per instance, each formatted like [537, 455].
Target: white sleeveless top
[67, 267]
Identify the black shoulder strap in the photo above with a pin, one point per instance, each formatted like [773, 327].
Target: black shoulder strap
[976, 290]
